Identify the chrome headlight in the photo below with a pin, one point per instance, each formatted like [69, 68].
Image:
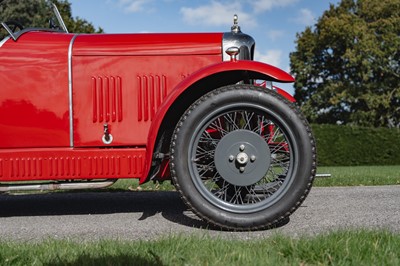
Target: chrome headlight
[236, 38]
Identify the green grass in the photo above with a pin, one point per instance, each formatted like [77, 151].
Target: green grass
[338, 248]
[359, 176]
[133, 184]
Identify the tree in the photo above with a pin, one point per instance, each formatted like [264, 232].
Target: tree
[347, 66]
[36, 13]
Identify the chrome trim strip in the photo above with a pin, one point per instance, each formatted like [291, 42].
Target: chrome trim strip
[4, 40]
[71, 113]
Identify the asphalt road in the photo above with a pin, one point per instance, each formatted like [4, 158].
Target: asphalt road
[150, 215]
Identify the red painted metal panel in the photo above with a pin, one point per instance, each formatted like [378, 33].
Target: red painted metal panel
[59, 164]
[34, 91]
[152, 90]
[285, 94]
[148, 44]
[142, 84]
[107, 99]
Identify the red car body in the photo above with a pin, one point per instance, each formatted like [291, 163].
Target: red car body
[129, 81]
[83, 110]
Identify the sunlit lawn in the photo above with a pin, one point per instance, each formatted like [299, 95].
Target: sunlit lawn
[357, 247]
[360, 176]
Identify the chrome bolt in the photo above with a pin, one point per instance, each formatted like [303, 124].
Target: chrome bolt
[252, 158]
[231, 158]
[242, 158]
[241, 147]
[241, 169]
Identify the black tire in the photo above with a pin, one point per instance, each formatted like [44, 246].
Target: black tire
[243, 158]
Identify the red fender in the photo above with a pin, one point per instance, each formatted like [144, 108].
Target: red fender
[256, 70]
[285, 94]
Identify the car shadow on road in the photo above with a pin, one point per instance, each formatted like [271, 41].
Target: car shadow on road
[148, 203]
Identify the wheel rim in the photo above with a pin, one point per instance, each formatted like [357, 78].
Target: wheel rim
[221, 162]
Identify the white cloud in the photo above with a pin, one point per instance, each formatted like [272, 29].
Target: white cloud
[133, 6]
[272, 57]
[217, 14]
[274, 35]
[305, 17]
[265, 5]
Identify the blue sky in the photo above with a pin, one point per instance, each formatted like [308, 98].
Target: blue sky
[272, 23]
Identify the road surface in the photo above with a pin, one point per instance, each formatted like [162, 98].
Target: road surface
[151, 215]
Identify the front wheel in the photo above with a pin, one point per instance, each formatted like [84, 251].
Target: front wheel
[243, 158]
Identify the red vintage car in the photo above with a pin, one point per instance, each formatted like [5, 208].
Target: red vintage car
[83, 110]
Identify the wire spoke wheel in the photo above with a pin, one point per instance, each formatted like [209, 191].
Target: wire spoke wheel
[239, 160]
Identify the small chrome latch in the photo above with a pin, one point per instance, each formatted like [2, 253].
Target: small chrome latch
[107, 137]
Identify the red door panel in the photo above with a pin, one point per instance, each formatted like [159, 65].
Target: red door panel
[34, 91]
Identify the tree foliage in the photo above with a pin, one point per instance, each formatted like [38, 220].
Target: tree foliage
[347, 66]
[37, 13]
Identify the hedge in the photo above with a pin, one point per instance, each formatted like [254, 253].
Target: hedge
[339, 145]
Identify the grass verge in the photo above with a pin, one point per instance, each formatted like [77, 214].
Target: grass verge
[359, 176]
[338, 248]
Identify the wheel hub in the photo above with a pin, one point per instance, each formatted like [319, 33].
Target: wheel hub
[242, 157]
